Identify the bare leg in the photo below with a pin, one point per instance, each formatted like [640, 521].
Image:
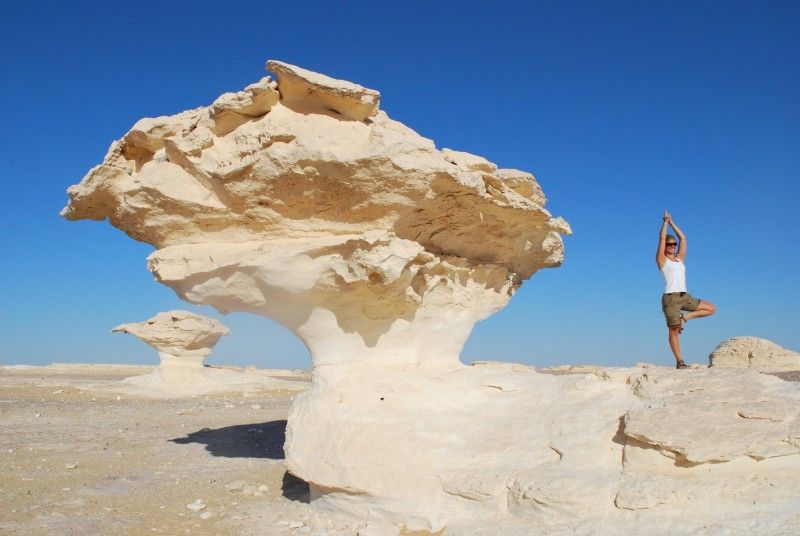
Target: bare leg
[675, 342]
[704, 309]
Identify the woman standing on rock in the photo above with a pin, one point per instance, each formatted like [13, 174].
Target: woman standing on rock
[669, 259]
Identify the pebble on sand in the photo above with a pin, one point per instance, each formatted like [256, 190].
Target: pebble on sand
[196, 506]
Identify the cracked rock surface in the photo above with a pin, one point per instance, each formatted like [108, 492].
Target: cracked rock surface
[746, 414]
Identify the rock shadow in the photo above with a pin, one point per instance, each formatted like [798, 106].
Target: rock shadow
[295, 489]
[620, 438]
[259, 440]
[787, 375]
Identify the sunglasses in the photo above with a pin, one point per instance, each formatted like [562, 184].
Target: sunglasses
[670, 244]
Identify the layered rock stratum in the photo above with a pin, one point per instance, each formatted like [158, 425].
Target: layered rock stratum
[302, 201]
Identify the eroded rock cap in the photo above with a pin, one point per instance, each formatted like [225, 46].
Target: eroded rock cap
[178, 333]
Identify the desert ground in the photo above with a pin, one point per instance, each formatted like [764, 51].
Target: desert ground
[79, 457]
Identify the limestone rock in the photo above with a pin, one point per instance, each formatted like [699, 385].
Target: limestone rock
[357, 234]
[468, 162]
[719, 445]
[300, 85]
[714, 416]
[754, 352]
[178, 333]
[576, 452]
[183, 341]
[230, 110]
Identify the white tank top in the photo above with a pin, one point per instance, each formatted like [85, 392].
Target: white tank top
[674, 273]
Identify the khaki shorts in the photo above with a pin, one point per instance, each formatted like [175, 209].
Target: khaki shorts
[672, 305]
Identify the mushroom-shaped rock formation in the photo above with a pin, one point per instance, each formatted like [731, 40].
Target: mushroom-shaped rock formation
[183, 341]
[754, 352]
[302, 201]
[320, 212]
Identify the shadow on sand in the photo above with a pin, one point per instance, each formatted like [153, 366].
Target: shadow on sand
[259, 440]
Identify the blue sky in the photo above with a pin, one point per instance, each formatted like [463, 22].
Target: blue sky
[621, 110]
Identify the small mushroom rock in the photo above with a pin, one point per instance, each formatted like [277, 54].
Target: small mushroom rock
[178, 333]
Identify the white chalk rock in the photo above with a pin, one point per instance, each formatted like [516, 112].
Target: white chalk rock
[322, 213]
[177, 333]
[699, 418]
[754, 352]
[298, 85]
[434, 448]
[184, 340]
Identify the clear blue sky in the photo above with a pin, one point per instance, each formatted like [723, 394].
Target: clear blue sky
[621, 109]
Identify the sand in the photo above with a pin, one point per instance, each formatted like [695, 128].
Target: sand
[76, 457]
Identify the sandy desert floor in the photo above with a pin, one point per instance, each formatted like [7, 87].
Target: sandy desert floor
[79, 457]
[76, 457]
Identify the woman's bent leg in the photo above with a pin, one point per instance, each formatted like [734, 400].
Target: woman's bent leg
[704, 309]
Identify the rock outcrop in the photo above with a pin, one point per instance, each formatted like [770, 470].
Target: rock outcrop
[178, 334]
[302, 201]
[183, 341]
[754, 352]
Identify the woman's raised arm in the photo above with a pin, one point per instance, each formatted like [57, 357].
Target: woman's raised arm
[661, 258]
[681, 254]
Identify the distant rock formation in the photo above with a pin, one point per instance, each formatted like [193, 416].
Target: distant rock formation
[753, 352]
[302, 201]
[183, 341]
[178, 333]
